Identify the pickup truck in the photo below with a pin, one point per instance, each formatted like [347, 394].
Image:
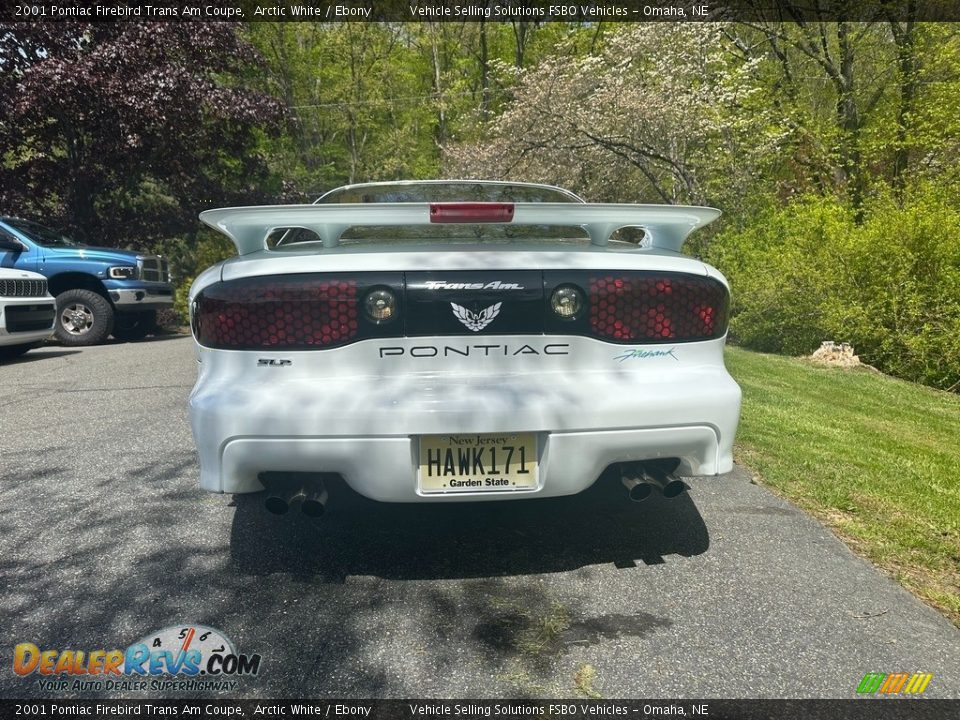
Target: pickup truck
[99, 291]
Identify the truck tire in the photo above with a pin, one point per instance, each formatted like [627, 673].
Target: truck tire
[83, 318]
[134, 326]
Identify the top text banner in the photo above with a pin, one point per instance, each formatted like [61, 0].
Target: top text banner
[481, 11]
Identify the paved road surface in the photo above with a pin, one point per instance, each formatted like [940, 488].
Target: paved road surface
[730, 592]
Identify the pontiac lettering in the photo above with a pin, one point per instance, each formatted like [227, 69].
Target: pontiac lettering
[429, 351]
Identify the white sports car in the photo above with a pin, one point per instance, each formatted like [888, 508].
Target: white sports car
[27, 311]
[458, 340]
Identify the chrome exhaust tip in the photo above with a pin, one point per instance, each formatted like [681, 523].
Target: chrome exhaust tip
[637, 489]
[278, 502]
[276, 505]
[675, 488]
[641, 479]
[314, 503]
[670, 485]
[287, 490]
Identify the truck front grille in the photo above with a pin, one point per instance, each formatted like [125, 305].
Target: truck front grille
[154, 268]
[23, 288]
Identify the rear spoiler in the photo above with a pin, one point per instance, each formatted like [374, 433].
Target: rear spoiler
[248, 227]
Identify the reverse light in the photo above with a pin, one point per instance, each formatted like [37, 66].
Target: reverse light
[380, 305]
[566, 302]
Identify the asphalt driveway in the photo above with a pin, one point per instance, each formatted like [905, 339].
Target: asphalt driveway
[727, 592]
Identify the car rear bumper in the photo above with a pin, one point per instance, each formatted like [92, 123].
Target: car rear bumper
[367, 430]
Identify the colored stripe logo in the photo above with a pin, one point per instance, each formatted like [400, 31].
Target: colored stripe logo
[894, 683]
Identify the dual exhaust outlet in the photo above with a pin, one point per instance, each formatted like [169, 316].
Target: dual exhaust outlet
[641, 480]
[310, 497]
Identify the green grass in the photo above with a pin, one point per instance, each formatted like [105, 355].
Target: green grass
[876, 459]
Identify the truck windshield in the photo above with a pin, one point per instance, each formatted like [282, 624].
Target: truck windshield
[41, 234]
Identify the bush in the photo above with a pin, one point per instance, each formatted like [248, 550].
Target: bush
[189, 257]
[775, 276]
[889, 286]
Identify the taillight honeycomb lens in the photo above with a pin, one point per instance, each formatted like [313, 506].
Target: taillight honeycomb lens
[299, 312]
[657, 307]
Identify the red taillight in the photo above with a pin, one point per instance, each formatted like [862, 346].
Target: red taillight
[651, 307]
[265, 313]
[482, 212]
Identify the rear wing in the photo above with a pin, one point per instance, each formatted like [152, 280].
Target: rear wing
[248, 227]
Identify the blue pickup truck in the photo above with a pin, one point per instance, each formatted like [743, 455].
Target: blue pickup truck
[99, 291]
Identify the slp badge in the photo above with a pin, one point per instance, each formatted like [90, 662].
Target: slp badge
[475, 321]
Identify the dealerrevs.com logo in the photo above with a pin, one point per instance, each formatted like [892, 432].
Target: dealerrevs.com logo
[180, 657]
[894, 683]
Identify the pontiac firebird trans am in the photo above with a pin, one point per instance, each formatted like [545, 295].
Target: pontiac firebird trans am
[457, 340]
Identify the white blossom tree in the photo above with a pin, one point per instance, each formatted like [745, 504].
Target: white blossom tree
[663, 113]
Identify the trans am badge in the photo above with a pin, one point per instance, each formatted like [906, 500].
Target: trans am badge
[475, 321]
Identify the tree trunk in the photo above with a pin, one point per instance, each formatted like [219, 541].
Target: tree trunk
[848, 118]
[484, 74]
[907, 76]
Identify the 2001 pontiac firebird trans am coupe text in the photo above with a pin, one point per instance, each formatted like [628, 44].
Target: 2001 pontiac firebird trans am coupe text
[454, 340]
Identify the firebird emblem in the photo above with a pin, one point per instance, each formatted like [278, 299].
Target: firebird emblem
[475, 321]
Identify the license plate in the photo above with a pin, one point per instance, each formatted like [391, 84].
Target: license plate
[478, 463]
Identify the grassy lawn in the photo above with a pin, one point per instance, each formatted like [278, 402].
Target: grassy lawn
[876, 459]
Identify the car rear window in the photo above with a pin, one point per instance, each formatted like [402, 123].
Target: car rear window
[433, 234]
[447, 192]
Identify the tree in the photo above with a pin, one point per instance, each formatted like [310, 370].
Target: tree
[678, 125]
[122, 132]
[857, 97]
[358, 97]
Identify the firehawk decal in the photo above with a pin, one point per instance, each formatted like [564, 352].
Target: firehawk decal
[475, 321]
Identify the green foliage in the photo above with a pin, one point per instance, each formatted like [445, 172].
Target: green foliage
[370, 101]
[117, 132]
[889, 286]
[777, 290]
[188, 257]
[355, 97]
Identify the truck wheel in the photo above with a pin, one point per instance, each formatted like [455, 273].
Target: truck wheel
[134, 326]
[83, 318]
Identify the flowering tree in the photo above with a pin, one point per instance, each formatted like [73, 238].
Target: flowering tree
[664, 113]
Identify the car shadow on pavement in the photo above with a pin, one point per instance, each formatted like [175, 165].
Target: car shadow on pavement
[361, 537]
[37, 355]
[152, 338]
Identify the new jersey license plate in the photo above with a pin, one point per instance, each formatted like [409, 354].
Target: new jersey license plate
[478, 463]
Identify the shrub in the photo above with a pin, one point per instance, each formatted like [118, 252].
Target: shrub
[889, 286]
[189, 257]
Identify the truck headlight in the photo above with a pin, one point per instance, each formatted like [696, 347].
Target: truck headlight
[123, 272]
